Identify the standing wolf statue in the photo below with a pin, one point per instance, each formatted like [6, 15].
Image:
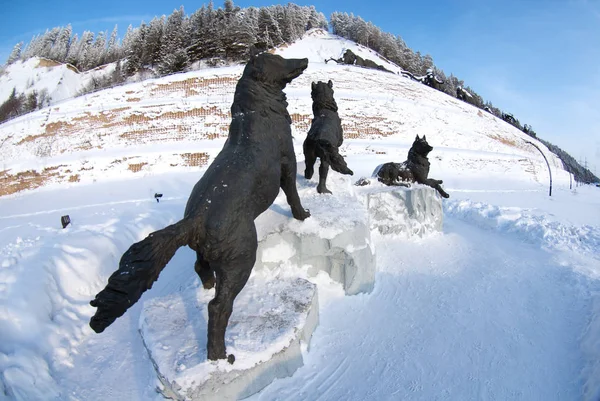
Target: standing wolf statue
[324, 137]
[242, 182]
[415, 168]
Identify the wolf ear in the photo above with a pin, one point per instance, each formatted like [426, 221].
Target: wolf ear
[330, 84]
[314, 86]
[424, 138]
[417, 138]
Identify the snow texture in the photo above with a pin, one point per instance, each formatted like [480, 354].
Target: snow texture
[336, 239]
[414, 211]
[270, 320]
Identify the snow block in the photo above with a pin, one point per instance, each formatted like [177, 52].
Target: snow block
[270, 320]
[336, 238]
[414, 211]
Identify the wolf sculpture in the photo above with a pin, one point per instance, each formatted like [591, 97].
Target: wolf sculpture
[242, 182]
[414, 169]
[324, 137]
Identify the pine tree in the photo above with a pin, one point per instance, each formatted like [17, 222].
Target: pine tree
[206, 41]
[269, 34]
[153, 42]
[132, 44]
[72, 55]
[315, 19]
[173, 55]
[127, 41]
[62, 44]
[236, 32]
[31, 102]
[427, 63]
[196, 28]
[117, 74]
[112, 51]
[98, 51]
[48, 41]
[229, 7]
[289, 25]
[33, 48]
[389, 49]
[44, 98]
[83, 52]
[11, 107]
[340, 24]
[15, 54]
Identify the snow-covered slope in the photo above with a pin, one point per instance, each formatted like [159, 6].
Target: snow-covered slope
[60, 81]
[181, 120]
[318, 46]
[503, 304]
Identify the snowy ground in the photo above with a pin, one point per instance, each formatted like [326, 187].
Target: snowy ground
[504, 304]
[498, 306]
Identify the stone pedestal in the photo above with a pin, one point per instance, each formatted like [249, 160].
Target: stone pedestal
[409, 212]
[271, 319]
[336, 238]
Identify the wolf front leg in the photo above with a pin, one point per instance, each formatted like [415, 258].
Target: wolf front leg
[288, 184]
[323, 170]
[436, 185]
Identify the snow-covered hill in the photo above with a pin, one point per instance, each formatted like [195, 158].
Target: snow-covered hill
[180, 121]
[503, 304]
[60, 81]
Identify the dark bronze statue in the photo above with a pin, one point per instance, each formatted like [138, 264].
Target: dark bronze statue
[428, 79]
[324, 137]
[242, 182]
[414, 169]
[352, 59]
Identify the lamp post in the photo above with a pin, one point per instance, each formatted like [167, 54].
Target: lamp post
[547, 164]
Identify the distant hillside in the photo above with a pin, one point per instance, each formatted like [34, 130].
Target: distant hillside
[180, 121]
[60, 81]
[212, 37]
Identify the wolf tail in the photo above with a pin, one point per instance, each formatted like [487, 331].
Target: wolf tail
[138, 269]
[325, 151]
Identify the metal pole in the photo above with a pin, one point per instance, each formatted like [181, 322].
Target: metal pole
[570, 181]
[547, 164]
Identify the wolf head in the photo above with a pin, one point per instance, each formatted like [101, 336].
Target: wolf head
[273, 69]
[322, 96]
[421, 147]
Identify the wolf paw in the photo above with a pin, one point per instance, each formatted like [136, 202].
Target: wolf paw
[323, 190]
[301, 214]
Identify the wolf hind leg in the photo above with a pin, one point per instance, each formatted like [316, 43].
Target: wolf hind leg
[205, 272]
[288, 185]
[231, 279]
[310, 159]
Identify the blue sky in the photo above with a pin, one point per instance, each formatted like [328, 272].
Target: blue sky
[538, 59]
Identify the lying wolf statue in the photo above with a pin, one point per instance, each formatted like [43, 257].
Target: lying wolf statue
[414, 169]
[242, 182]
[324, 137]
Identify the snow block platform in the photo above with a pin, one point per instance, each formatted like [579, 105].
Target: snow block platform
[336, 238]
[406, 211]
[270, 320]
